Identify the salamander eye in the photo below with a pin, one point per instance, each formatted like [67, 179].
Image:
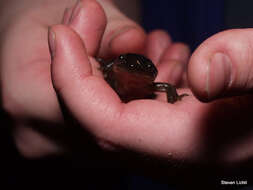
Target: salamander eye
[121, 57]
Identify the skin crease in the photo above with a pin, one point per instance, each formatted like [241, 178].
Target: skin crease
[189, 130]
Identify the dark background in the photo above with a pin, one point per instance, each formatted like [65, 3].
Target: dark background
[189, 21]
[193, 21]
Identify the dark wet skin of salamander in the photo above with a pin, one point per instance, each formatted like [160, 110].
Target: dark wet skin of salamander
[132, 77]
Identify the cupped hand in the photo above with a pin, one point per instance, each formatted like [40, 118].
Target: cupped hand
[204, 133]
[27, 91]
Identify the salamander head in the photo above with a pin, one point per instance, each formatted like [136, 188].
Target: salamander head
[136, 64]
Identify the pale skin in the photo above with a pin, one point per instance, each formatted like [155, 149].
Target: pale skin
[187, 130]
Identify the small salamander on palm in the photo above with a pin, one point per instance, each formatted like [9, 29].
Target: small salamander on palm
[132, 77]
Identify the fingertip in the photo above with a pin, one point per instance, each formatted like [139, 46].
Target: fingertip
[213, 65]
[157, 43]
[172, 64]
[180, 52]
[129, 39]
[162, 34]
[88, 19]
[170, 71]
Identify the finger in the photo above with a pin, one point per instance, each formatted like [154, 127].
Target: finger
[66, 15]
[88, 97]
[88, 19]
[122, 35]
[157, 42]
[98, 108]
[223, 65]
[173, 63]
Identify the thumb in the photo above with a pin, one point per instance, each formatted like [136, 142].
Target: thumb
[223, 65]
[87, 96]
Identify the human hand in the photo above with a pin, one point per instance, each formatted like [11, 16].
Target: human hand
[27, 92]
[224, 63]
[188, 130]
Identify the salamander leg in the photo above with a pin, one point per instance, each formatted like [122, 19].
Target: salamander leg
[172, 95]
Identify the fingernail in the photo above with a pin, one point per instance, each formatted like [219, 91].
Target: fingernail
[218, 75]
[51, 42]
[78, 6]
